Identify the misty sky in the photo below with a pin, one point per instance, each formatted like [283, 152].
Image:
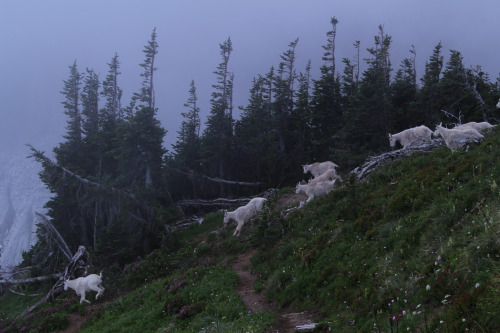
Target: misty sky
[40, 39]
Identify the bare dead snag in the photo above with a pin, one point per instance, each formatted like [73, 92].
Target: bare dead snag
[76, 267]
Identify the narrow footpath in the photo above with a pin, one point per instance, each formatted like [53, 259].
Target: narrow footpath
[256, 302]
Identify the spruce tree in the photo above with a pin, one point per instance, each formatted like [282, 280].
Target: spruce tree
[428, 101]
[111, 91]
[326, 121]
[217, 136]
[147, 94]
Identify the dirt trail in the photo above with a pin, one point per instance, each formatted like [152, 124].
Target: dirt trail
[76, 320]
[256, 302]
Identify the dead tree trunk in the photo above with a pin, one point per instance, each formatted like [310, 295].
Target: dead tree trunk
[77, 267]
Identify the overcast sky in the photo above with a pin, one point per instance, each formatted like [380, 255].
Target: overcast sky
[40, 39]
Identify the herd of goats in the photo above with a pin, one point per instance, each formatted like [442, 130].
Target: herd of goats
[325, 176]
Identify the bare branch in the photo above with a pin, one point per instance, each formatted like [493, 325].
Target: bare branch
[29, 280]
[60, 241]
[39, 155]
[21, 294]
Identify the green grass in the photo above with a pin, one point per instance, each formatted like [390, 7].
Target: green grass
[367, 252]
[198, 299]
[414, 247]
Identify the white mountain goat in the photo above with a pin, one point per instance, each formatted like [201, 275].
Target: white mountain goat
[82, 285]
[317, 190]
[257, 202]
[477, 126]
[318, 168]
[410, 136]
[244, 214]
[498, 104]
[455, 138]
[329, 174]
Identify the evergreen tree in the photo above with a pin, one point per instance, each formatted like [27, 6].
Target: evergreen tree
[255, 137]
[111, 116]
[186, 153]
[300, 120]
[326, 119]
[217, 136]
[187, 147]
[367, 118]
[111, 91]
[428, 101]
[71, 92]
[283, 90]
[91, 124]
[404, 90]
[456, 94]
[90, 105]
[147, 94]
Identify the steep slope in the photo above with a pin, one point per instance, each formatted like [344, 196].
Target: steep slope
[413, 247]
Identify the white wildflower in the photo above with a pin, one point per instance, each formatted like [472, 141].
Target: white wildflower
[428, 287]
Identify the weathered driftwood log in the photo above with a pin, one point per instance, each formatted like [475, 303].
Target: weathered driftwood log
[376, 162]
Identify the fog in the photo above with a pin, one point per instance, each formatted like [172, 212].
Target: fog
[40, 39]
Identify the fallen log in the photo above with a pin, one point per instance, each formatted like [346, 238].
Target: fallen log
[376, 162]
[214, 202]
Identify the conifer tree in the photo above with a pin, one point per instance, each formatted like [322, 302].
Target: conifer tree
[255, 138]
[283, 90]
[71, 92]
[111, 91]
[367, 118]
[147, 94]
[428, 101]
[91, 123]
[90, 104]
[217, 136]
[326, 119]
[403, 91]
[186, 149]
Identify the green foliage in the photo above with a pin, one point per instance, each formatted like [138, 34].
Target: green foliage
[193, 300]
[416, 239]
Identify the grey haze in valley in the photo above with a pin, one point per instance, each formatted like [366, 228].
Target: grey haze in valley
[40, 39]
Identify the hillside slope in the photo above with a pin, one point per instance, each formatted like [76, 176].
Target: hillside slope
[414, 247]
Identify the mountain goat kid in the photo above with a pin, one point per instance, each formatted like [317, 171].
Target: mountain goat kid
[318, 168]
[244, 214]
[316, 190]
[329, 174]
[82, 285]
[455, 138]
[409, 136]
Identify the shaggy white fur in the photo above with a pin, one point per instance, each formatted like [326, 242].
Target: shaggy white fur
[317, 190]
[318, 168]
[82, 285]
[410, 136]
[455, 138]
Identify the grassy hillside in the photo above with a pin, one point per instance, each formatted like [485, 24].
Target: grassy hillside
[415, 247]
